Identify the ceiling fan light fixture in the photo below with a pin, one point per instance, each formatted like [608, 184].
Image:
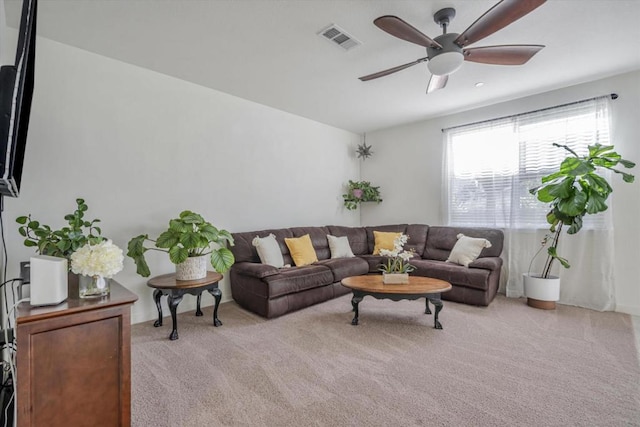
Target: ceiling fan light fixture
[445, 63]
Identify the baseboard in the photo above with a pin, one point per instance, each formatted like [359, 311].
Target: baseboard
[628, 309]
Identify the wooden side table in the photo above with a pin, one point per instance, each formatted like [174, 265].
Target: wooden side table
[175, 290]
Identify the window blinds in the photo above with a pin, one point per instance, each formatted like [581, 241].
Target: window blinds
[491, 166]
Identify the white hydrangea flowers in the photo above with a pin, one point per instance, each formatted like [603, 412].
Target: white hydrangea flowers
[103, 259]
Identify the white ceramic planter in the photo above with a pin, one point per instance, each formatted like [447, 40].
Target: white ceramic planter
[395, 278]
[541, 293]
[193, 268]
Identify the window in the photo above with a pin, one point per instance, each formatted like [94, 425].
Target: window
[491, 166]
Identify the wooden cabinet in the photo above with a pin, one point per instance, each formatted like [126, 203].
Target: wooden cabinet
[74, 362]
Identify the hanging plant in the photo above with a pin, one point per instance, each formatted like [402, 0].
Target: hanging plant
[360, 191]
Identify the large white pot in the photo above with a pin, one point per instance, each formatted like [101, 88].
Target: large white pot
[540, 292]
[193, 268]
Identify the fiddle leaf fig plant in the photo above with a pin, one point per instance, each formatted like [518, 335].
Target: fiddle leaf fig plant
[189, 235]
[360, 191]
[65, 241]
[576, 190]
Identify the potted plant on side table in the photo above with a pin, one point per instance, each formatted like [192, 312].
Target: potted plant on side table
[190, 242]
[572, 192]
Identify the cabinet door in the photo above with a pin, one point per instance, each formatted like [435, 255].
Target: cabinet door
[72, 370]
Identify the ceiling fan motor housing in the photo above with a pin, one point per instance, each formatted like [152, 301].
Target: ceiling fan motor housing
[446, 60]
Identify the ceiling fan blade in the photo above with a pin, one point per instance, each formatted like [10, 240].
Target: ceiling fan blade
[437, 82]
[496, 18]
[391, 70]
[401, 29]
[516, 54]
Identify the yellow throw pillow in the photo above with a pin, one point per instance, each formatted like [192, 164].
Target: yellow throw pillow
[383, 240]
[301, 250]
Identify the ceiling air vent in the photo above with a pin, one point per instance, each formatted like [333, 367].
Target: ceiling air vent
[338, 36]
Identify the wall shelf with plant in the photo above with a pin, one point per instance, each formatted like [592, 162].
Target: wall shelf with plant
[360, 191]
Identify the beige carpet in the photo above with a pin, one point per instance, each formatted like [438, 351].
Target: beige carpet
[504, 365]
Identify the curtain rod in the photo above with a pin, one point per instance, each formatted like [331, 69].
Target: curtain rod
[612, 95]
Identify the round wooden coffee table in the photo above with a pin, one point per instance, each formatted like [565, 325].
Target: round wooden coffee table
[418, 287]
[175, 290]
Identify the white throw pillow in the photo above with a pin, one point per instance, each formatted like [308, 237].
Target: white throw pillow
[339, 247]
[268, 250]
[467, 249]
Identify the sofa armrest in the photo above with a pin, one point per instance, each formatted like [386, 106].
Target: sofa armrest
[255, 269]
[487, 263]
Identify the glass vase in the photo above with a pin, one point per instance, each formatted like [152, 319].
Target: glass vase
[93, 286]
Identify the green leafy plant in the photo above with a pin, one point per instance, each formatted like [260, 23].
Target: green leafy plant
[576, 190]
[187, 236]
[65, 241]
[360, 191]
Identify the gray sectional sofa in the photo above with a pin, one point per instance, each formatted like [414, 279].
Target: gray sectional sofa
[271, 292]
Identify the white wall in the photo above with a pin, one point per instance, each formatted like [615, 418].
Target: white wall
[407, 164]
[140, 147]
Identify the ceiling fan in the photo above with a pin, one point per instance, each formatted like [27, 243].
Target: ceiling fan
[446, 52]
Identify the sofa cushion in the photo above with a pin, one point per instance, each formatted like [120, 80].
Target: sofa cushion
[477, 278]
[253, 269]
[243, 249]
[339, 247]
[268, 250]
[296, 279]
[467, 249]
[417, 234]
[357, 237]
[318, 237]
[301, 250]
[374, 262]
[345, 267]
[488, 263]
[441, 240]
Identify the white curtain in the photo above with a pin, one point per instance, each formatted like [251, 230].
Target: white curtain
[489, 169]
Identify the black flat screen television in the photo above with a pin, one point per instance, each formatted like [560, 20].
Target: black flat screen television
[16, 91]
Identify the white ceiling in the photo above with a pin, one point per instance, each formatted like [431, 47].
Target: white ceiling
[268, 51]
